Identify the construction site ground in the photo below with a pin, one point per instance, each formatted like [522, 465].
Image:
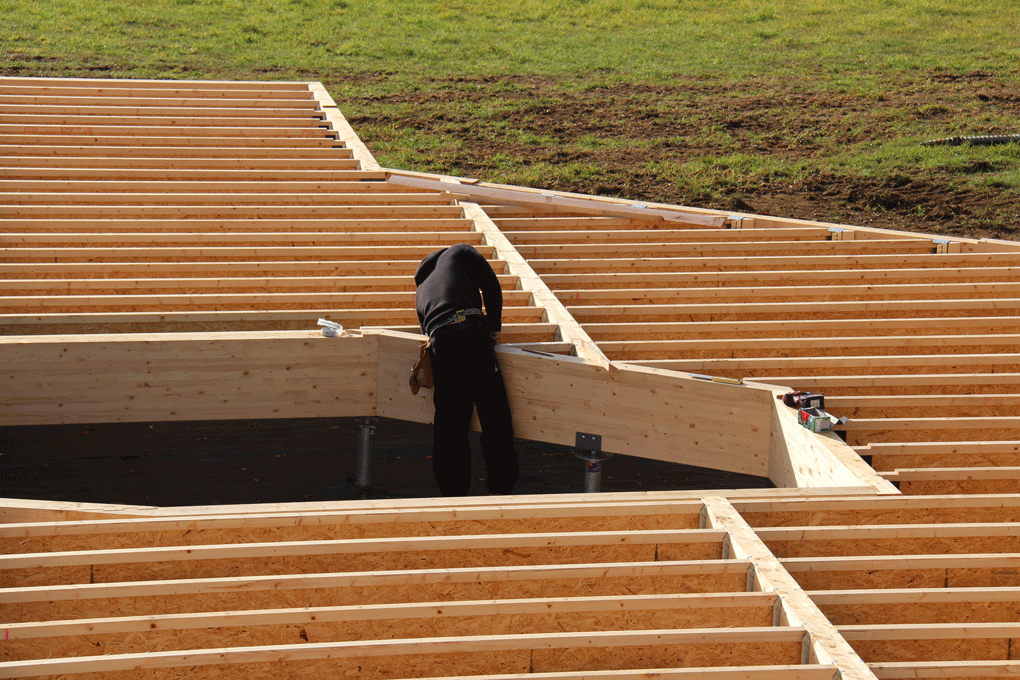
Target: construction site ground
[630, 140]
[286, 461]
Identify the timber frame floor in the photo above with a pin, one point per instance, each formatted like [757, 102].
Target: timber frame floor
[167, 249]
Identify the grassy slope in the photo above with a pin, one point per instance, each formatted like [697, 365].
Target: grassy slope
[808, 108]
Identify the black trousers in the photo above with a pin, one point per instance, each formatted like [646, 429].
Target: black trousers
[466, 375]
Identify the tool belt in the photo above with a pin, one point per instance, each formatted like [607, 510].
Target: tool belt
[449, 323]
[421, 372]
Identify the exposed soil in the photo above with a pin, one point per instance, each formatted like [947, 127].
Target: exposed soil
[627, 134]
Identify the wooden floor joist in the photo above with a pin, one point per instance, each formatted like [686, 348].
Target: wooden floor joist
[159, 239]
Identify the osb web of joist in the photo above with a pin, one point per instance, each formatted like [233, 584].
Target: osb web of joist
[140, 207]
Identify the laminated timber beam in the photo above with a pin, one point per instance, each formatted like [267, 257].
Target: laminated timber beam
[284, 374]
[568, 329]
[473, 190]
[366, 161]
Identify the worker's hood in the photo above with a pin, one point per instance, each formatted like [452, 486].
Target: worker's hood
[427, 266]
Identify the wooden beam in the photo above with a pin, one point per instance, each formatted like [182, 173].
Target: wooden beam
[569, 330]
[663, 349]
[199, 254]
[269, 149]
[269, 239]
[845, 293]
[568, 251]
[153, 88]
[335, 162]
[380, 226]
[895, 670]
[772, 672]
[192, 100]
[372, 648]
[81, 173]
[638, 412]
[401, 544]
[267, 300]
[762, 276]
[911, 562]
[637, 235]
[345, 514]
[774, 262]
[793, 310]
[132, 378]
[366, 161]
[939, 448]
[351, 182]
[556, 200]
[145, 134]
[115, 84]
[933, 424]
[961, 531]
[799, 458]
[931, 631]
[825, 644]
[179, 587]
[351, 196]
[904, 596]
[380, 612]
[912, 380]
[796, 328]
[952, 473]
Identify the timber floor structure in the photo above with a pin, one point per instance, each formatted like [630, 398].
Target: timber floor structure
[167, 250]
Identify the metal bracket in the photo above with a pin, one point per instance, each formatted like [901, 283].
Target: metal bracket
[840, 234]
[589, 446]
[941, 246]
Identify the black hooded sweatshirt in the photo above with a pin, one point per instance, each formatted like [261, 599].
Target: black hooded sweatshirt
[448, 280]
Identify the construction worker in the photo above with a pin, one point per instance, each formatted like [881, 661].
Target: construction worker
[452, 284]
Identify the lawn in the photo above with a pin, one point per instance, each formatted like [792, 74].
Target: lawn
[798, 108]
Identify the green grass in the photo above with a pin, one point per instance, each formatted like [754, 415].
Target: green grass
[843, 41]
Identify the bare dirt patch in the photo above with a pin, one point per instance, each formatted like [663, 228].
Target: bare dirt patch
[626, 135]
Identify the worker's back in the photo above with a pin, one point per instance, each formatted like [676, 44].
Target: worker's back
[449, 280]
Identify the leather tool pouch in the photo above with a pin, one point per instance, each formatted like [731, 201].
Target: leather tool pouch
[421, 373]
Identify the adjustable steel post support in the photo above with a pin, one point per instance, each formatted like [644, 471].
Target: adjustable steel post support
[363, 474]
[589, 449]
